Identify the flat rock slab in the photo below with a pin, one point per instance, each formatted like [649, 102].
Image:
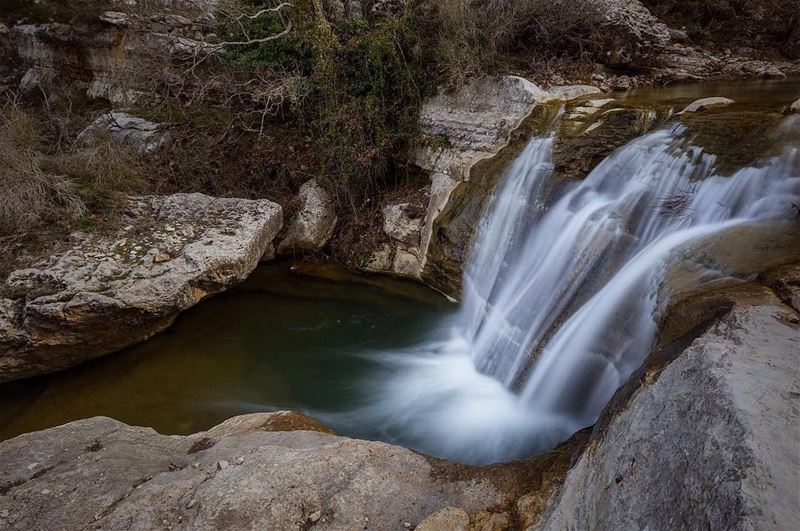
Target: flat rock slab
[109, 291]
[102, 474]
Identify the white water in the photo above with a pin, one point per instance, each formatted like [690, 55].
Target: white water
[560, 295]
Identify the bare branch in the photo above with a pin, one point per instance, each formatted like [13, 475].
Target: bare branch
[266, 10]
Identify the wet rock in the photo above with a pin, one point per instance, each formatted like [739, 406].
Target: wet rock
[138, 133]
[707, 103]
[795, 107]
[342, 483]
[397, 224]
[174, 251]
[312, 226]
[593, 130]
[462, 128]
[709, 441]
[447, 519]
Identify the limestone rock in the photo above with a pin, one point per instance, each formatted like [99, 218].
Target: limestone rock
[101, 59]
[138, 133]
[313, 224]
[398, 225]
[101, 473]
[109, 291]
[462, 128]
[795, 107]
[405, 263]
[447, 519]
[381, 260]
[571, 92]
[707, 103]
[709, 442]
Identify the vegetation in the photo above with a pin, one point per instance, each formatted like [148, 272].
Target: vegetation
[40, 187]
[727, 23]
[275, 93]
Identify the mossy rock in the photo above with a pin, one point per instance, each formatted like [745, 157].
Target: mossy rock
[737, 138]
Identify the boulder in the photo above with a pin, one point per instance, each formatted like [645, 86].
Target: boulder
[709, 441]
[102, 474]
[380, 261]
[398, 225]
[707, 103]
[795, 107]
[313, 224]
[138, 133]
[173, 252]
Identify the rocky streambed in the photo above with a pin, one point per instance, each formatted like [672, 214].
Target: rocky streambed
[703, 435]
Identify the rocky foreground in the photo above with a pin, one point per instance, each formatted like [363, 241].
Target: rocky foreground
[110, 290]
[704, 436]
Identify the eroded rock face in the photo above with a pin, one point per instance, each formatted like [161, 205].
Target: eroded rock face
[102, 473]
[313, 224]
[710, 442]
[112, 290]
[105, 58]
[458, 130]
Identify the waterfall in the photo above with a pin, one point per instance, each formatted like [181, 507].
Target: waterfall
[560, 292]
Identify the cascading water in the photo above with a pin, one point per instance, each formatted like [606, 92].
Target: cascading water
[560, 294]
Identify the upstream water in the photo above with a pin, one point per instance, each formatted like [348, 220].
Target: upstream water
[560, 306]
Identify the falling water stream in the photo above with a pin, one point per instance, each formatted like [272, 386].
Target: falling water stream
[560, 294]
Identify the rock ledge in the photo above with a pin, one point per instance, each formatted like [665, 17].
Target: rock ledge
[109, 291]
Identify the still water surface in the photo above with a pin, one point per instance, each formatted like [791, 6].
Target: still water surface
[305, 340]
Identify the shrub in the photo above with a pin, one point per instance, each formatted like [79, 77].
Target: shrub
[38, 188]
[28, 195]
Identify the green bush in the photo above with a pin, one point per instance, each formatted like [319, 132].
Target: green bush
[366, 81]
